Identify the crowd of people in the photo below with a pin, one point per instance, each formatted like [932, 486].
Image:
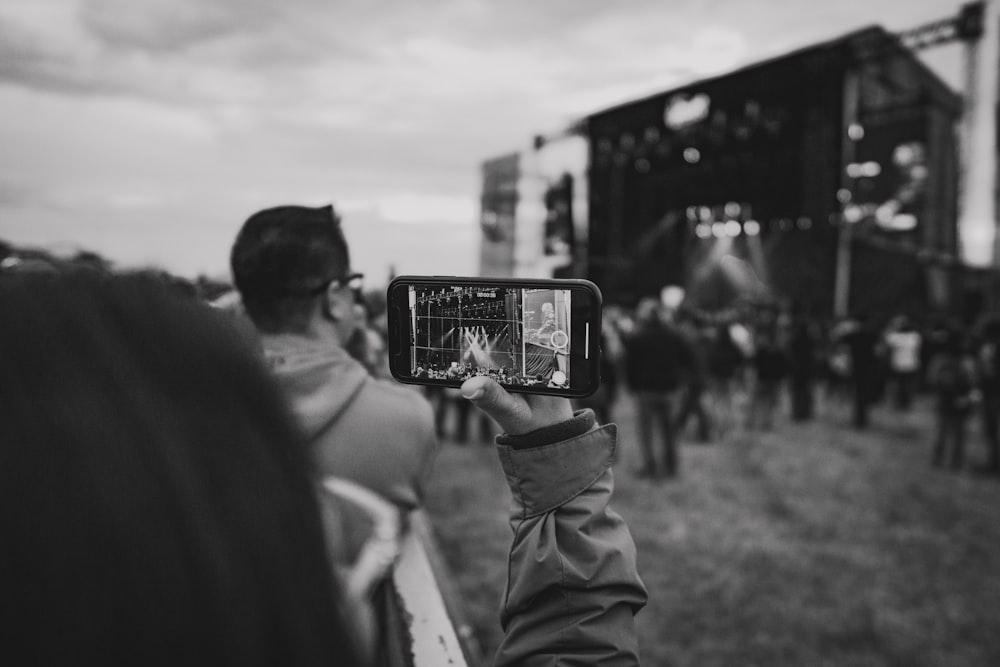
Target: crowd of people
[699, 375]
[188, 484]
[747, 366]
[458, 372]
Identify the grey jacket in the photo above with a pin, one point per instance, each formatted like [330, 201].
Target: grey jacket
[573, 586]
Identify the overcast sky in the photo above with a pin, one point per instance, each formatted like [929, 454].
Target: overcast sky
[148, 130]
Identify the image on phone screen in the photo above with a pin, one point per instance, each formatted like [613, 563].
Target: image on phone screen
[518, 336]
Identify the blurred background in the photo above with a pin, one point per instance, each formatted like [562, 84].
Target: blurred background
[464, 137]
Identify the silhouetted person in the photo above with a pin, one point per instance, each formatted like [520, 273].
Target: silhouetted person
[654, 354]
[802, 350]
[863, 343]
[770, 368]
[989, 373]
[695, 381]
[725, 364]
[952, 375]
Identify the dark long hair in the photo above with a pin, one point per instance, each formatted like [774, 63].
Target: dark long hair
[156, 502]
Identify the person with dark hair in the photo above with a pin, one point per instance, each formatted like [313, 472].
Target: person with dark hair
[803, 344]
[863, 343]
[292, 267]
[158, 505]
[725, 362]
[695, 380]
[988, 358]
[952, 375]
[770, 364]
[655, 356]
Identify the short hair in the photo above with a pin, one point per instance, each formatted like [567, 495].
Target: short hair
[280, 261]
[157, 500]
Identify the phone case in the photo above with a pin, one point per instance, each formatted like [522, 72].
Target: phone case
[552, 348]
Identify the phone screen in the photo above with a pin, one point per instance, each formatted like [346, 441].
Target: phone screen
[533, 336]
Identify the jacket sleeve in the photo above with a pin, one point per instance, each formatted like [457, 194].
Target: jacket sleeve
[573, 587]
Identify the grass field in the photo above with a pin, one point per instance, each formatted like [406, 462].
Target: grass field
[812, 544]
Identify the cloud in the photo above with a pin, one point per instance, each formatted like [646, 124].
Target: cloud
[165, 26]
[193, 113]
[16, 194]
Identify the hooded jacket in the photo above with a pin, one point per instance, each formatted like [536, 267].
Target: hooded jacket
[370, 431]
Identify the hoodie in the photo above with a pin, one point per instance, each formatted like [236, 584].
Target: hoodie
[374, 432]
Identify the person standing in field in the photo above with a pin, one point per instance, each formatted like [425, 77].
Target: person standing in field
[903, 343]
[802, 353]
[952, 375]
[655, 354]
[770, 366]
[863, 343]
[989, 373]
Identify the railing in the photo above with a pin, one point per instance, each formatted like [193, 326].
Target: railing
[428, 612]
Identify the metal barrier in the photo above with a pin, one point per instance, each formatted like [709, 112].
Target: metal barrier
[429, 604]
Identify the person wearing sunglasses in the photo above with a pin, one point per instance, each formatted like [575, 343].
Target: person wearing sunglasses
[292, 268]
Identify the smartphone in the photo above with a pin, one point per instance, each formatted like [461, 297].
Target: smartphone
[532, 336]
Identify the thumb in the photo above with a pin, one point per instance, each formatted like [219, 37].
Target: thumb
[507, 410]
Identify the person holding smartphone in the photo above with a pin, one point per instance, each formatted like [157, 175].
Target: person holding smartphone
[573, 586]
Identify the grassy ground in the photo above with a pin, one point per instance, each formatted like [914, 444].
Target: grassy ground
[811, 544]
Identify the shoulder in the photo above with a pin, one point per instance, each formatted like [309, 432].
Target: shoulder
[394, 403]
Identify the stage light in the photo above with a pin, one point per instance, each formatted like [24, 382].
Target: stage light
[703, 231]
[901, 222]
[804, 223]
[718, 229]
[856, 132]
[732, 209]
[886, 212]
[692, 155]
[733, 228]
[704, 213]
[868, 169]
[642, 165]
[751, 228]
[672, 296]
[843, 195]
[853, 213]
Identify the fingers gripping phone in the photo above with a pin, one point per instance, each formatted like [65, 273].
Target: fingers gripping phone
[533, 336]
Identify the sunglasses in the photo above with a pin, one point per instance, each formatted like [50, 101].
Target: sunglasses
[355, 282]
